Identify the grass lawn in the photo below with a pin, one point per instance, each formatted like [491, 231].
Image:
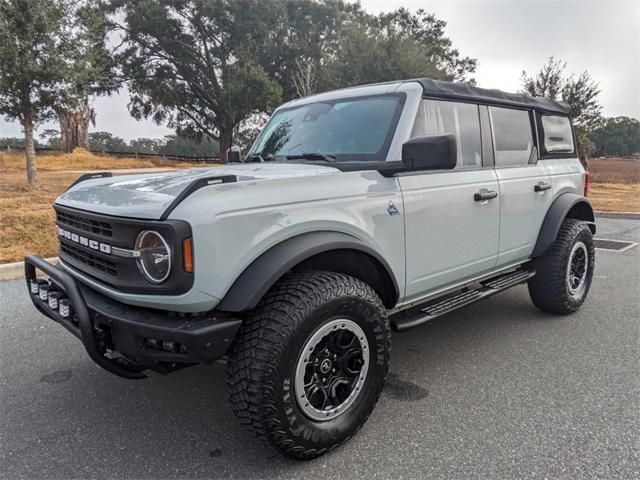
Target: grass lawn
[27, 219]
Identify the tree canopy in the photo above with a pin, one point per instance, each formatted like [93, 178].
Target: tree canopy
[393, 46]
[205, 66]
[34, 42]
[580, 92]
[619, 136]
[53, 56]
[92, 71]
[191, 64]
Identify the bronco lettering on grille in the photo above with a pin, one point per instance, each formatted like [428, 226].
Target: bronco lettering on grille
[84, 241]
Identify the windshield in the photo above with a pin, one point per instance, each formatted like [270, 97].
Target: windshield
[347, 129]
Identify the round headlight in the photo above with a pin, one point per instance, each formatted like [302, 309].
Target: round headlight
[155, 256]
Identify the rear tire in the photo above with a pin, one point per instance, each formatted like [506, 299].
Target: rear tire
[308, 365]
[564, 272]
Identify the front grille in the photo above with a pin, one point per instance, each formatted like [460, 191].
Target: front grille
[89, 259]
[86, 239]
[84, 223]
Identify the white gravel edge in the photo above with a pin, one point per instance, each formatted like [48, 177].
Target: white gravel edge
[15, 271]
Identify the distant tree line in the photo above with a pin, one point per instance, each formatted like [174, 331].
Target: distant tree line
[617, 137]
[169, 145]
[107, 142]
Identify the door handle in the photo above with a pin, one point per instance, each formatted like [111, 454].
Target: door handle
[541, 187]
[484, 194]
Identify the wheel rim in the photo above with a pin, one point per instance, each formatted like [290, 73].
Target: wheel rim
[331, 369]
[577, 269]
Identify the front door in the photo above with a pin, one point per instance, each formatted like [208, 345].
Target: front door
[451, 217]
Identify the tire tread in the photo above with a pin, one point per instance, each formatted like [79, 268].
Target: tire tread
[252, 364]
[547, 288]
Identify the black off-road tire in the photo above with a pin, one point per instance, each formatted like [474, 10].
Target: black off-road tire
[549, 288]
[263, 359]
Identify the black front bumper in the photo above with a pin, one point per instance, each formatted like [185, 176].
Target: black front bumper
[127, 340]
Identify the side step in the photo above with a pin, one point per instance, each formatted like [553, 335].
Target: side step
[428, 311]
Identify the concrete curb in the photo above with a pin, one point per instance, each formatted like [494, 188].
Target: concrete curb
[15, 271]
[624, 215]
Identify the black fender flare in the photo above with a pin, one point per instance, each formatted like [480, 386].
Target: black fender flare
[567, 205]
[270, 266]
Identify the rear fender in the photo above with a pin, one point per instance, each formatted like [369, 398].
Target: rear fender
[567, 205]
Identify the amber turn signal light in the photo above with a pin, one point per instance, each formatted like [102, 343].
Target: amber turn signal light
[187, 255]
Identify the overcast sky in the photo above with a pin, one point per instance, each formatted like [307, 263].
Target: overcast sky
[506, 37]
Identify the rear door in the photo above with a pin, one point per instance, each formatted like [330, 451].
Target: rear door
[525, 184]
[451, 233]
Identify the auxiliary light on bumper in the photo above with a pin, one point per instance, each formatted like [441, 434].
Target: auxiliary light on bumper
[123, 339]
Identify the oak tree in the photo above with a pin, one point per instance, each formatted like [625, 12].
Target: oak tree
[580, 92]
[192, 64]
[33, 50]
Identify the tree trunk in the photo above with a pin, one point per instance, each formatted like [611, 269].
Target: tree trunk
[30, 152]
[74, 127]
[226, 140]
[584, 161]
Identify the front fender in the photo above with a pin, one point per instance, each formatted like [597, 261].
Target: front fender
[262, 273]
[567, 205]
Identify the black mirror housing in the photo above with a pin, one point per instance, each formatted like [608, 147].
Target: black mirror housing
[233, 154]
[432, 152]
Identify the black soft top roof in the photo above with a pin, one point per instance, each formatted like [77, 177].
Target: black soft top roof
[462, 91]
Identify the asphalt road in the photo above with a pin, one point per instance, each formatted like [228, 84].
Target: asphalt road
[495, 390]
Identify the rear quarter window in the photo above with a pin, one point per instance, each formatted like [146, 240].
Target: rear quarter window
[557, 134]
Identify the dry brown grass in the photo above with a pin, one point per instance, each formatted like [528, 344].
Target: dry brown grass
[27, 219]
[26, 216]
[615, 197]
[83, 160]
[615, 184]
[27, 224]
[615, 170]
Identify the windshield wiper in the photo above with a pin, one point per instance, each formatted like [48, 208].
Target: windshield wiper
[312, 156]
[256, 157]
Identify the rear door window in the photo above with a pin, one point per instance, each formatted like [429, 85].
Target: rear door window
[558, 137]
[436, 117]
[512, 136]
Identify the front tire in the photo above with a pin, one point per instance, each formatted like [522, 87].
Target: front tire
[564, 272]
[309, 364]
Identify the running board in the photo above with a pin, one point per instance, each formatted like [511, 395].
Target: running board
[423, 313]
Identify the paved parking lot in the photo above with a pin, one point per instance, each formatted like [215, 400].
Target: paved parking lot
[495, 390]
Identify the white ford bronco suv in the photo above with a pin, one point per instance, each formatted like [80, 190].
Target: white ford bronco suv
[356, 212]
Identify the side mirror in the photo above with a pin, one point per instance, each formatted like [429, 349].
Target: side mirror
[233, 154]
[433, 152]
